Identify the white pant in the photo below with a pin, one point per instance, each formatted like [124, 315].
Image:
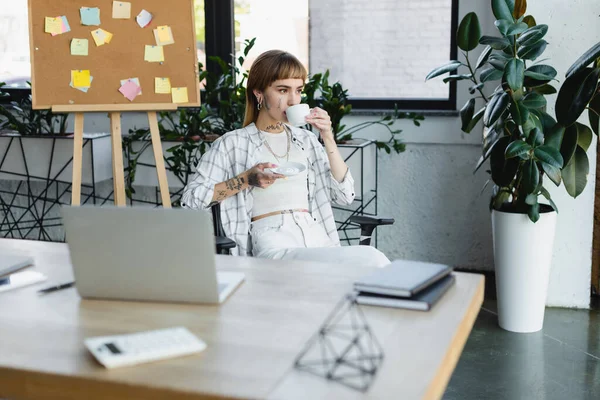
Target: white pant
[297, 236]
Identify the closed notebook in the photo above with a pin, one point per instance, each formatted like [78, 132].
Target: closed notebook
[402, 278]
[422, 301]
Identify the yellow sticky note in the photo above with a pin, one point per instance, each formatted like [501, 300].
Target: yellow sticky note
[79, 47]
[81, 78]
[121, 10]
[179, 94]
[101, 36]
[162, 85]
[154, 54]
[53, 25]
[163, 35]
[107, 36]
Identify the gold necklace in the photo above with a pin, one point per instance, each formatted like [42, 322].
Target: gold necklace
[287, 153]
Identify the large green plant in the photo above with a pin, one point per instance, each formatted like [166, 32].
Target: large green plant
[22, 118]
[333, 98]
[525, 145]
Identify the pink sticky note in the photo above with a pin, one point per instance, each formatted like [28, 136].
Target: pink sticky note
[130, 90]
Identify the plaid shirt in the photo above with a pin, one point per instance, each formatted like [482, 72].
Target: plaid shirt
[236, 152]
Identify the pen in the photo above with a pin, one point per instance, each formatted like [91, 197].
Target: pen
[57, 287]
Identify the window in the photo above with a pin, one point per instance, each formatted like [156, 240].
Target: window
[14, 44]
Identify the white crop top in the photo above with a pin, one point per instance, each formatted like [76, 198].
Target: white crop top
[284, 194]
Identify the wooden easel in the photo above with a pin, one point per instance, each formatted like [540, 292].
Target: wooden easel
[117, 151]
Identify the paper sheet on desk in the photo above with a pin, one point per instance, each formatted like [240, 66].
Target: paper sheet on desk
[20, 279]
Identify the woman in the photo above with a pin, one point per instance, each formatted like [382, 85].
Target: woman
[268, 214]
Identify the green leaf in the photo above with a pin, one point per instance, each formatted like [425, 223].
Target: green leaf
[544, 89]
[518, 148]
[575, 174]
[530, 176]
[532, 35]
[519, 112]
[503, 169]
[532, 52]
[469, 32]
[574, 95]
[474, 120]
[534, 100]
[586, 59]
[541, 72]
[514, 74]
[449, 67]
[530, 21]
[569, 143]
[533, 212]
[483, 57]
[535, 137]
[553, 173]
[503, 25]
[457, 77]
[545, 193]
[594, 114]
[498, 63]
[548, 155]
[584, 136]
[554, 136]
[466, 113]
[531, 199]
[496, 106]
[490, 74]
[474, 88]
[546, 120]
[516, 29]
[503, 9]
[497, 43]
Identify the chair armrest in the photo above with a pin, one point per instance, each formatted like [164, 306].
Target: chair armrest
[373, 220]
[223, 244]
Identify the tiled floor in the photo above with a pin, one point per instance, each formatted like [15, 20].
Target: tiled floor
[561, 362]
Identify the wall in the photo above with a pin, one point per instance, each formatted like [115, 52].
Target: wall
[433, 194]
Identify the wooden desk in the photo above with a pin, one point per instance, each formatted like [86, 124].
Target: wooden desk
[252, 339]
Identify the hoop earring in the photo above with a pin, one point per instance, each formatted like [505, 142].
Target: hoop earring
[258, 106]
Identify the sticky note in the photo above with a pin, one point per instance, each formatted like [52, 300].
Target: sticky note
[83, 89]
[162, 85]
[101, 36]
[53, 25]
[179, 94]
[79, 47]
[163, 35]
[144, 18]
[65, 24]
[121, 10]
[154, 54]
[81, 78]
[134, 80]
[130, 90]
[90, 16]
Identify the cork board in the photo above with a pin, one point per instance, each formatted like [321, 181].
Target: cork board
[109, 64]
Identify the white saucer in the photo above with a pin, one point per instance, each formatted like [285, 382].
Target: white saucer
[289, 168]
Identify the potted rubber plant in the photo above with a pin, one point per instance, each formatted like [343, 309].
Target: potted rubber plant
[527, 148]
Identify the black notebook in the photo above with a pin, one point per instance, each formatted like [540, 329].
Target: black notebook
[422, 301]
[402, 278]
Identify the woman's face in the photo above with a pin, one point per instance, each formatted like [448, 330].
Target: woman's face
[279, 96]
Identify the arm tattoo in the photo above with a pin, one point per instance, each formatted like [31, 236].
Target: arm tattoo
[235, 183]
[221, 195]
[253, 179]
[274, 127]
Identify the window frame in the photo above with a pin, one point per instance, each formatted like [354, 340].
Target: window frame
[219, 26]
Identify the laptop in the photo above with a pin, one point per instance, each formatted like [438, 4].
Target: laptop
[146, 254]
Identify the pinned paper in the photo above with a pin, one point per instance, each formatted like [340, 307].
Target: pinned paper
[163, 35]
[162, 85]
[130, 90]
[65, 24]
[143, 19]
[90, 16]
[101, 36]
[79, 47]
[179, 95]
[134, 80]
[81, 78]
[154, 54]
[121, 10]
[83, 89]
[53, 25]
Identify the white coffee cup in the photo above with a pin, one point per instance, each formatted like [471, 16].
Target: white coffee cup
[297, 113]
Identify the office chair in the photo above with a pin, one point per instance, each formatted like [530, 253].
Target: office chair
[367, 224]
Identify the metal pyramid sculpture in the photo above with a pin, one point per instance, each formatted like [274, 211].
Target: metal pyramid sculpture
[344, 349]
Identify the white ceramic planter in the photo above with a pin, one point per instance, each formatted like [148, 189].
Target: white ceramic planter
[522, 258]
[45, 162]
